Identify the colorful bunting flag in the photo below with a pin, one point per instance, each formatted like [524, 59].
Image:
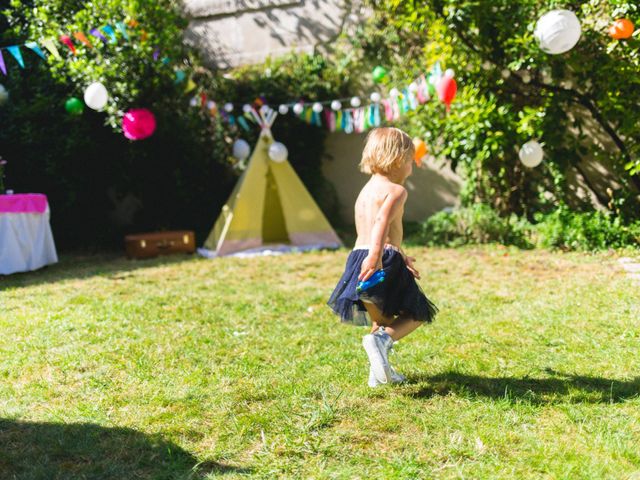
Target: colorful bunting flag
[98, 34]
[15, 51]
[190, 86]
[66, 39]
[243, 123]
[81, 37]
[49, 45]
[36, 49]
[108, 29]
[123, 30]
[3, 67]
[180, 76]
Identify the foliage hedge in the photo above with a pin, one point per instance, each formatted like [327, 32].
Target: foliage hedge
[101, 185]
[510, 91]
[563, 229]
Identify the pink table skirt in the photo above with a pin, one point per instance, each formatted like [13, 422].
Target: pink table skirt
[23, 203]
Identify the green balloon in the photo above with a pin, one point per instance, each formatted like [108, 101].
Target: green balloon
[74, 106]
[379, 73]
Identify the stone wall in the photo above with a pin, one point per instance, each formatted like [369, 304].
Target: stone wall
[231, 33]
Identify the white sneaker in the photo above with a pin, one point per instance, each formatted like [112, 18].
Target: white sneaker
[388, 345]
[395, 378]
[376, 348]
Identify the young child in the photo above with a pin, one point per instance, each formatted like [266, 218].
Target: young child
[396, 306]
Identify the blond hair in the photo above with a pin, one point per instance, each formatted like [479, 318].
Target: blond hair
[386, 149]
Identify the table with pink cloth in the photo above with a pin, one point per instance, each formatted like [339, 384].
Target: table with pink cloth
[26, 241]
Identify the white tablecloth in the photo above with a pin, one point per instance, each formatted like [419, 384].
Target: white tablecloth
[26, 242]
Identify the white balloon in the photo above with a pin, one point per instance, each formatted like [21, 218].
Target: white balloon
[4, 95]
[283, 109]
[317, 107]
[298, 108]
[375, 97]
[211, 104]
[394, 92]
[228, 107]
[241, 149]
[278, 152]
[336, 105]
[355, 102]
[557, 31]
[193, 102]
[96, 96]
[531, 154]
[449, 73]
[246, 108]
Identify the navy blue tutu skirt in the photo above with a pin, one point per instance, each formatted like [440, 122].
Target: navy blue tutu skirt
[399, 294]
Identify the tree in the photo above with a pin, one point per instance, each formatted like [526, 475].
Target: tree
[101, 185]
[511, 91]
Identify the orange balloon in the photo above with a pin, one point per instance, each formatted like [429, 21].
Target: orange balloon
[421, 150]
[621, 29]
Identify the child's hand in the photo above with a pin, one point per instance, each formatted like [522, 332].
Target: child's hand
[369, 266]
[409, 261]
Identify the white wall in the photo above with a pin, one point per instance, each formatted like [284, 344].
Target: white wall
[431, 188]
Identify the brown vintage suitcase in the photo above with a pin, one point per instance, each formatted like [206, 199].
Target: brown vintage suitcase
[147, 245]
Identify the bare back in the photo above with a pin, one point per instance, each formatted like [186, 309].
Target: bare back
[367, 206]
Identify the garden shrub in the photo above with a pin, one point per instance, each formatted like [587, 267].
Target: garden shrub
[475, 224]
[586, 231]
[562, 229]
[100, 185]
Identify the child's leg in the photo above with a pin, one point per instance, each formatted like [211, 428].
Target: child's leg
[377, 318]
[402, 327]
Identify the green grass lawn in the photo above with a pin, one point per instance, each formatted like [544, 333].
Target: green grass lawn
[231, 368]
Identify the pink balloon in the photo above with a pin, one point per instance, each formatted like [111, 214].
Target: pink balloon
[138, 124]
[447, 88]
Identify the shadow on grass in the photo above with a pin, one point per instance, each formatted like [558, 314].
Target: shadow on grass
[69, 451]
[85, 266]
[558, 388]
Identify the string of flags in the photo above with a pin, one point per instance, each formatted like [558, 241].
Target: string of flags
[105, 34]
[332, 114]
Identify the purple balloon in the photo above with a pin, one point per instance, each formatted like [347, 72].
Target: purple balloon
[138, 124]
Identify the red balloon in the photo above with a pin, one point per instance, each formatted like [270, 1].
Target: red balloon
[447, 88]
[621, 29]
[138, 124]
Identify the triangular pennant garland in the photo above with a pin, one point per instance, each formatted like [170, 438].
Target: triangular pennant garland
[49, 45]
[36, 49]
[15, 51]
[81, 37]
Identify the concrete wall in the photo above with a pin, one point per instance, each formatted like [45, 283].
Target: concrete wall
[230, 33]
[431, 188]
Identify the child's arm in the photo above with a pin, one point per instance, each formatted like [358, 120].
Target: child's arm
[388, 210]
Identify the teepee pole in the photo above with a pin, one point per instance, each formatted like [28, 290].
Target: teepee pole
[257, 118]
